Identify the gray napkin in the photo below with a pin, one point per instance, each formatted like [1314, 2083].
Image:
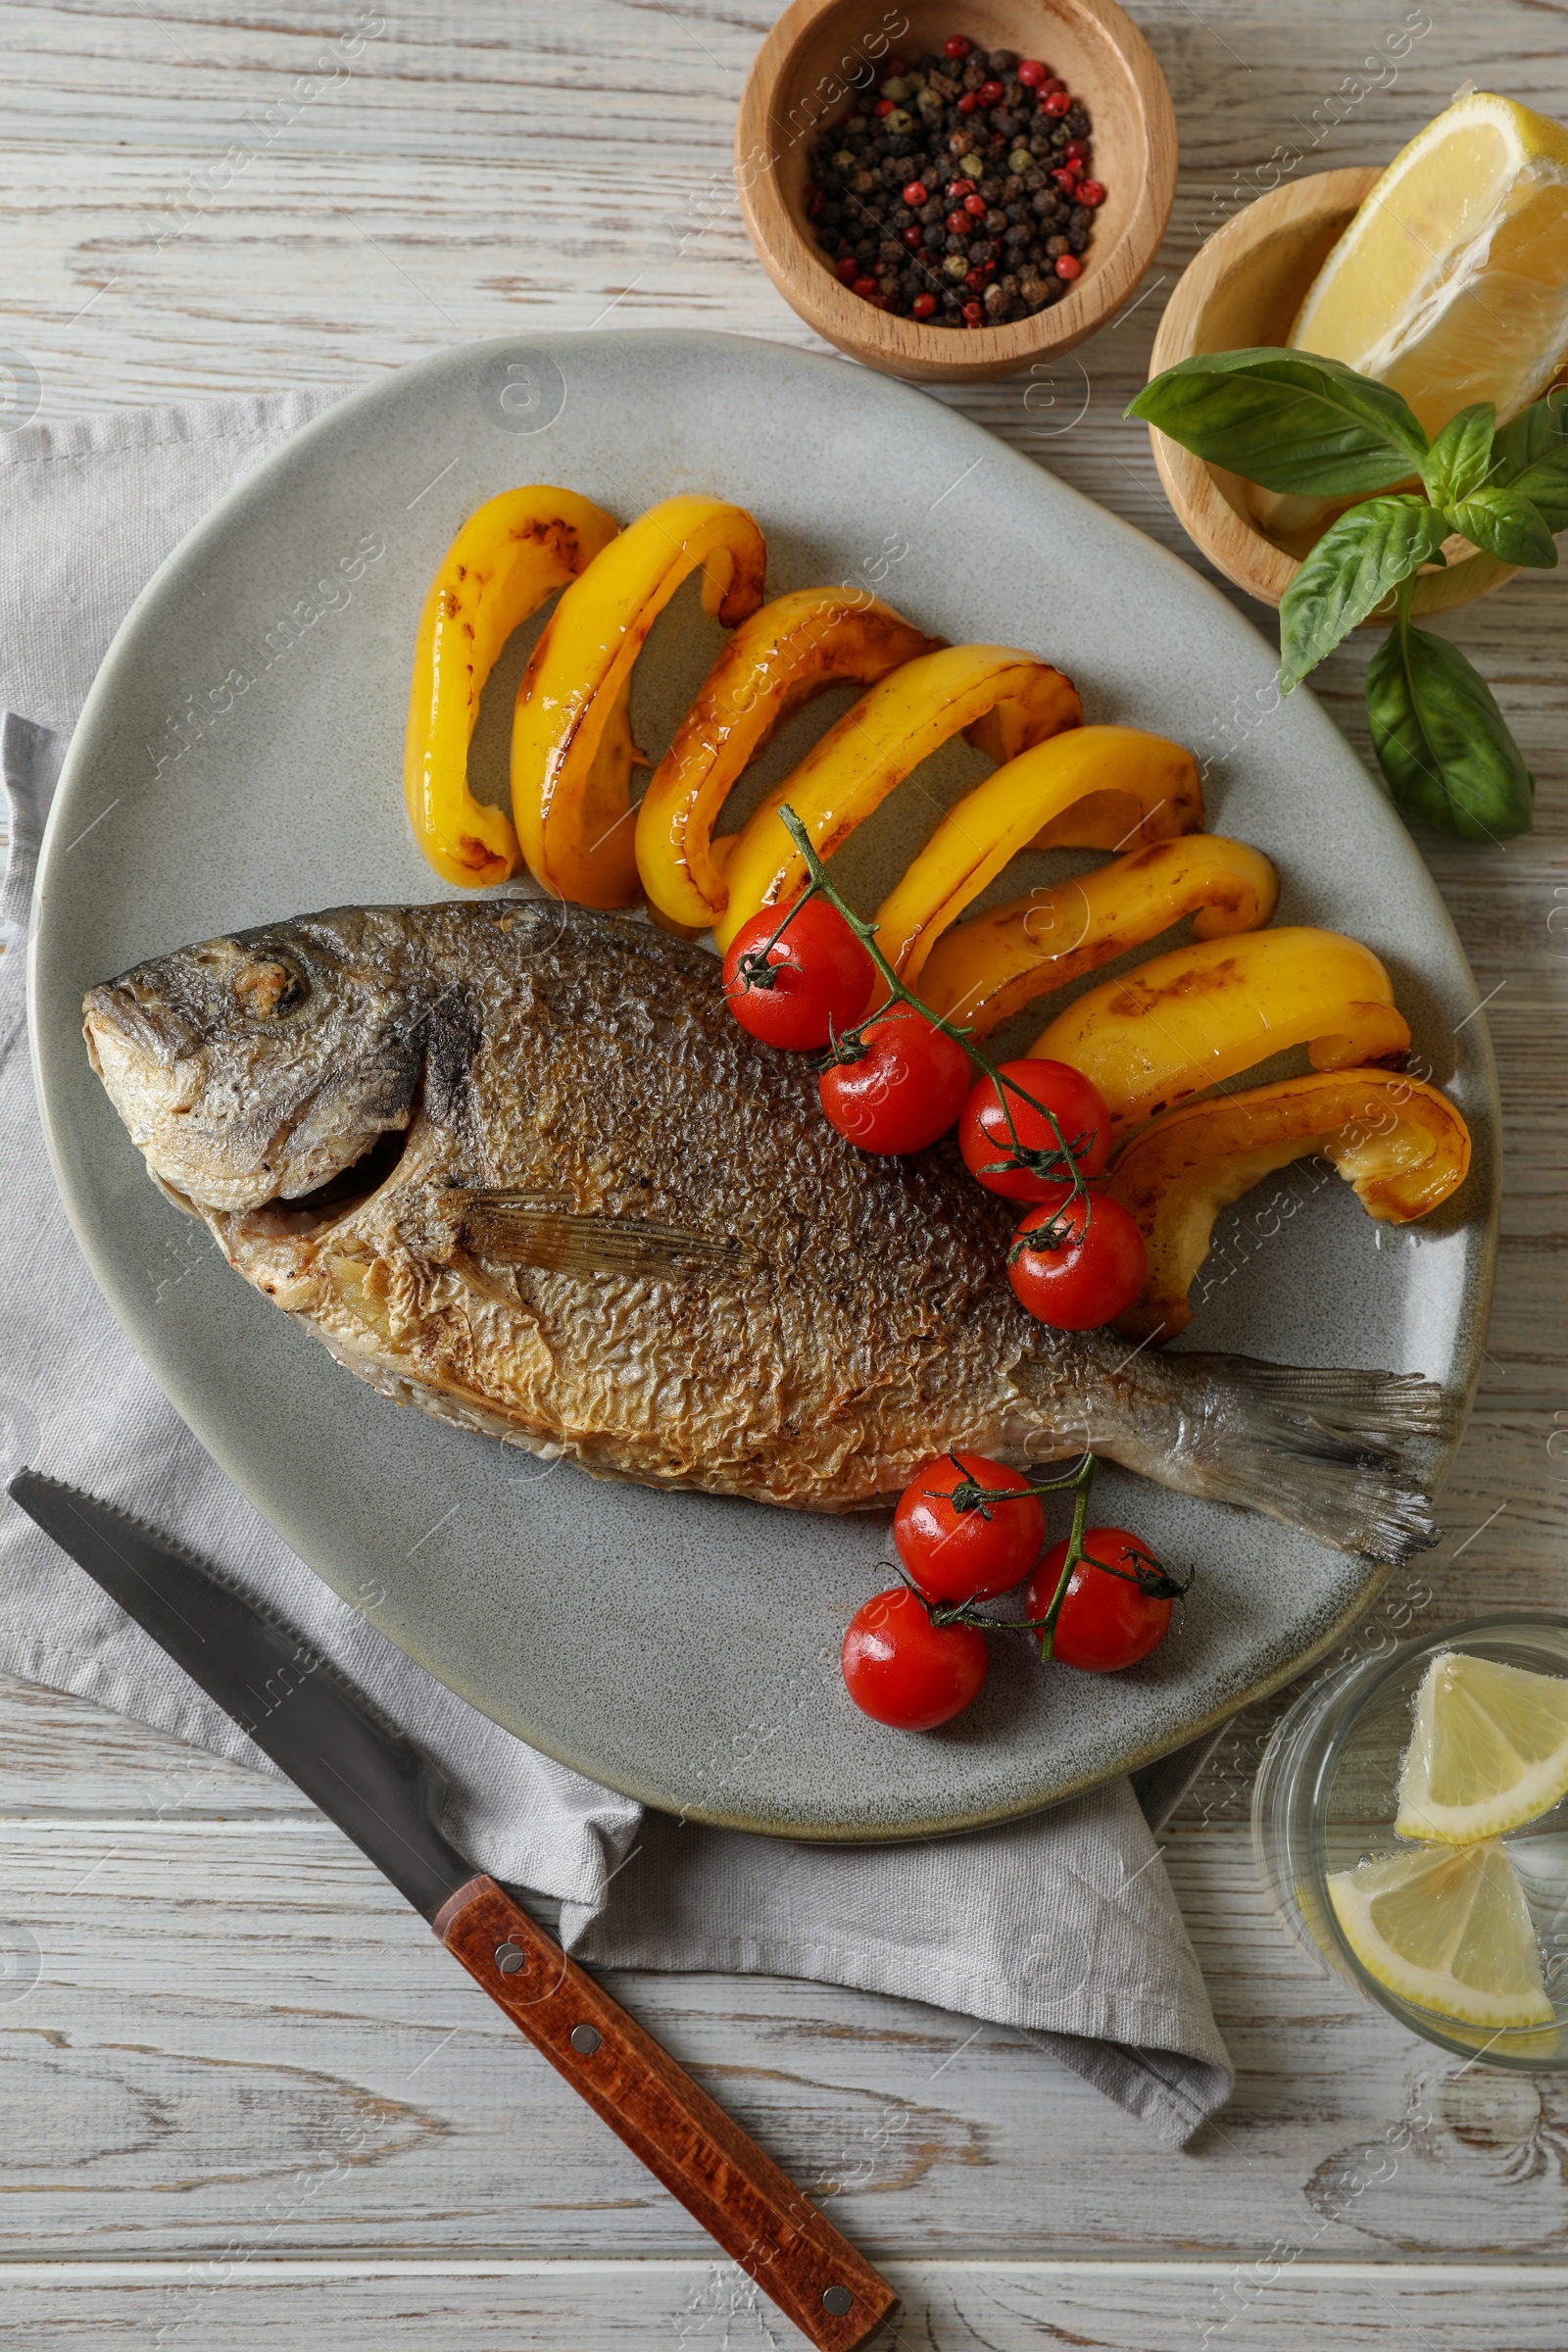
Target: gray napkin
[1063, 1928]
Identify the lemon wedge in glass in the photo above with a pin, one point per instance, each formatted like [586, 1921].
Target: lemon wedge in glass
[1490, 1750]
[1449, 1931]
[1451, 284]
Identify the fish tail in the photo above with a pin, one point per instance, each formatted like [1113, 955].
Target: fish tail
[1334, 1453]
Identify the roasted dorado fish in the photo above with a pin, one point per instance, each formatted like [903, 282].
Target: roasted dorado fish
[515, 1163]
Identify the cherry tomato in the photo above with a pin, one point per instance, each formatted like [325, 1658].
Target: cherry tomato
[968, 1554]
[1078, 1107]
[904, 1671]
[1112, 1615]
[1096, 1271]
[905, 1091]
[817, 974]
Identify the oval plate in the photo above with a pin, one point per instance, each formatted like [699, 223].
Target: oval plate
[249, 719]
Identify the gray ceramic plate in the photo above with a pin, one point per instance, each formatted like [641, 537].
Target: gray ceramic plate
[248, 723]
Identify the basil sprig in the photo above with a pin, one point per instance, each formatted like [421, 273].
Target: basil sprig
[1297, 423]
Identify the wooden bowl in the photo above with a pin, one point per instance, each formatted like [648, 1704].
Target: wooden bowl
[800, 83]
[1244, 288]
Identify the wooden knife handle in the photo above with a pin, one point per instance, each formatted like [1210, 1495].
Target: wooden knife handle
[721, 2176]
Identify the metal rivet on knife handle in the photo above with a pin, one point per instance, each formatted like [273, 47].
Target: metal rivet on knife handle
[838, 2300]
[510, 1958]
[585, 2040]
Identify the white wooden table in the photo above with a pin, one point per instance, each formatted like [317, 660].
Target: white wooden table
[230, 1996]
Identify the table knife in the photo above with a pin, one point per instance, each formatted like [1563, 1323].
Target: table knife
[388, 1796]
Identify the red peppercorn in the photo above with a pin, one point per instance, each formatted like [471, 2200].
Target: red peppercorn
[1076, 151]
[1068, 265]
[916, 194]
[847, 268]
[974, 314]
[868, 286]
[967, 103]
[814, 201]
[975, 278]
[990, 93]
[1059, 103]
[894, 67]
[956, 189]
[1064, 178]
[1051, 83]
[880, 302]
[924, 305]
[1090, 191]
[976, 207]
[914, 236]
[1032, 72]
[956, 46]
[883, 106]
[959, 223]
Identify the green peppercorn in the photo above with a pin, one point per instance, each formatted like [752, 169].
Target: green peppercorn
[971, 165]
[1019, 161]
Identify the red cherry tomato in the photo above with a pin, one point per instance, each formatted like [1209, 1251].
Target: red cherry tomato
[1086, 1280]
[904, 1671]
[906, 1090]
[957, 1554]
[1079, 1110]
[1112, 1615]
[817, 976]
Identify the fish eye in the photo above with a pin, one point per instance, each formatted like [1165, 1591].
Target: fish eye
[267, 986]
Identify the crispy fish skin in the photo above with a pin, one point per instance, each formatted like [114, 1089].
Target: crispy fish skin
[515, 1163]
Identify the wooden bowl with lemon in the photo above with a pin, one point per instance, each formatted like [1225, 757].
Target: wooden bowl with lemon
[1444, 276]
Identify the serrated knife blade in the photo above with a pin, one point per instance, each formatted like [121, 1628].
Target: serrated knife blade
[386, 1795]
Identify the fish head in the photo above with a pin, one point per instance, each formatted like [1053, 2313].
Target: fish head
[259, 1067]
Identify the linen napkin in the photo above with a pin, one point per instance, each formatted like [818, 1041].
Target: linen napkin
[1061, 1929]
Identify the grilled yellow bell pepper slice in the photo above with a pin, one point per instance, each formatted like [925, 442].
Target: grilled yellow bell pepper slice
[1076, 785]
[786, 653]
[1401, 1144]
[1004, 701]
[571, 747]
[1193, 1018]
[983, 971]
[507, 559]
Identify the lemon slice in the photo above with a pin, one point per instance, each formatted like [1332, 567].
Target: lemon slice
[1490, 1750]
[1447, 1931]
[1452, 283]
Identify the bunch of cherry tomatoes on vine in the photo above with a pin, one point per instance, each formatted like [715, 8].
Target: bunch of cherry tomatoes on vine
[968, 1529]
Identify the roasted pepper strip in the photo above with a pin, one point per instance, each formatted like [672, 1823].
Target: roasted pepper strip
[507, 559]
[1076, 784]
[1399, 1143]
[1004, 701]
[571, 747]
[985, 970]
[786, 653]
[1193, 1018]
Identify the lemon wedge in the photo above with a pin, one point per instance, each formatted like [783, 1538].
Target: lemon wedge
[1451, 284]
[1447, 1931]
[1490, 1750]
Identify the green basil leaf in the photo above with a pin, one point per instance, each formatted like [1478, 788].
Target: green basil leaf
[1530, 454]
[1507, 524]
[1347, 575]
[1286, 419]
[1459, 459]
[1442, 741]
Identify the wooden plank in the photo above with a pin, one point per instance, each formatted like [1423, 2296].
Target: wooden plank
[241, 2033]
[259, 2305]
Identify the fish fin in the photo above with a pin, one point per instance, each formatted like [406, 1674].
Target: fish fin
[1324, 1451]
[526, 1230]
